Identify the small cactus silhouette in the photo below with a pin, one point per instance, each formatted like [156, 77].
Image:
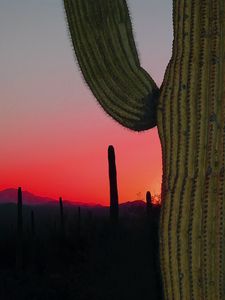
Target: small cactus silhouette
[148, 204]
[114, 205]
[19, 248]
[33, 241]
[79, 221]
[33, 229]
[62, 221]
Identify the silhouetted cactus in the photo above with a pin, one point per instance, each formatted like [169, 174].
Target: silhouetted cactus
[62, 220]
[79, 221]
[19, 248]
[114, 205]
[33, 231]
[33, 241]
[148, 204]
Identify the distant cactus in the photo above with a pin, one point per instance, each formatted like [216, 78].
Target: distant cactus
[33, 231]
[114, 206]
[148, 204]
[62, 221]
[79, 220]
[33, 241]
[19, 248]
[90, 223]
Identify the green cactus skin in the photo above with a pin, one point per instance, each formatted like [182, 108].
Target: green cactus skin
[101, 34]
[191, 126]
[114, 203]
[190, 121]
[19, 250]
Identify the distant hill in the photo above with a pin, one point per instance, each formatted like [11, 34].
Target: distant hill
[46, 209]
[10, 196]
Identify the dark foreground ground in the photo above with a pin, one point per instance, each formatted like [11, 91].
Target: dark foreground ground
[93, 260]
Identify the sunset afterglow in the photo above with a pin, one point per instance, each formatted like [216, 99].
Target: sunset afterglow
[54, 135]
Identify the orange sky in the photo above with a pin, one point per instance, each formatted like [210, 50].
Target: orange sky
[81, 173]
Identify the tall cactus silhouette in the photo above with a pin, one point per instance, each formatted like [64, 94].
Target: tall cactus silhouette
[114, 205]
[19, 241]
[189, 111]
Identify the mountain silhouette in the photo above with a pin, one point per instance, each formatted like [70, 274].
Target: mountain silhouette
[10, 196]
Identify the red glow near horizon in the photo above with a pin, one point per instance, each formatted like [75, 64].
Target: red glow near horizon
[54, 135]
[82, 175]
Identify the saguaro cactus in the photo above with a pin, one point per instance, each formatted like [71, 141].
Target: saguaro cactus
[189, 111]
[148, 204]
[79, 221]
[33, 240]
[62, 221]
[114, 205]
[19, 242]
[33, 230]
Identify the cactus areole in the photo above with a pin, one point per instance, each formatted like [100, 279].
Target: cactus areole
[189, 111]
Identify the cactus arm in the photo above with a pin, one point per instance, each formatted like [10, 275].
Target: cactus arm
[102, 38]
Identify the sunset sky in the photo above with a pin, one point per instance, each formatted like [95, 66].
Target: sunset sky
[54, 135]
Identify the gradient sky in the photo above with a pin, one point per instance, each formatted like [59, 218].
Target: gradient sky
[54, 135]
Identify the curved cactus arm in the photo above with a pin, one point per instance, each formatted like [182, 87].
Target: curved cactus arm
[102, 38]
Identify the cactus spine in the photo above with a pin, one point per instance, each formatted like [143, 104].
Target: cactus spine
[190, 120]
[19, 250]
[114, 206]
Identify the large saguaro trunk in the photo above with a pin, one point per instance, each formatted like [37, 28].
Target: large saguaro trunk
[189, 110]
[191, 123]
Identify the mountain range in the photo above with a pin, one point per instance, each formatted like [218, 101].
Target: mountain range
[10, 196]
